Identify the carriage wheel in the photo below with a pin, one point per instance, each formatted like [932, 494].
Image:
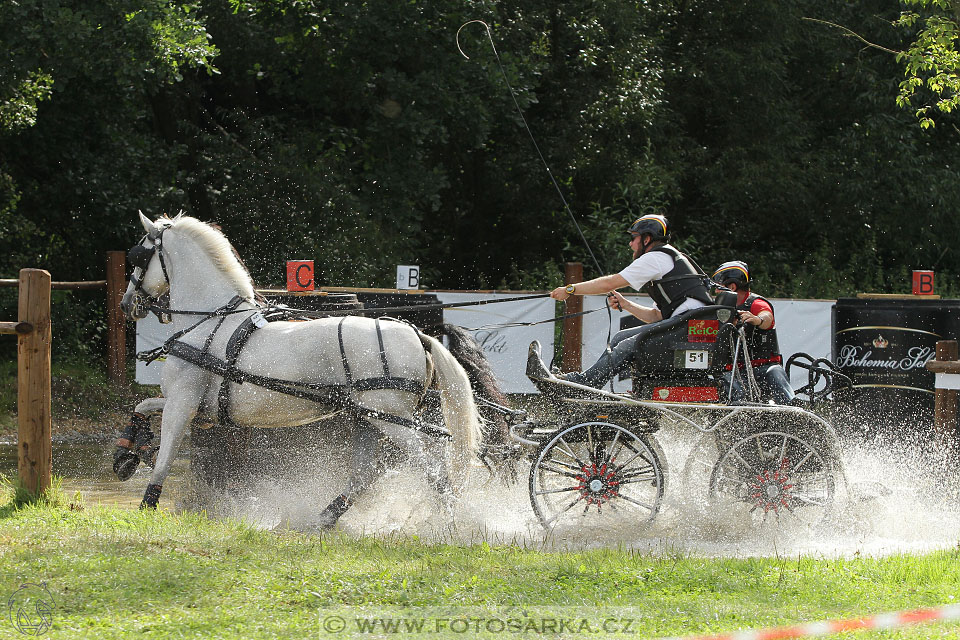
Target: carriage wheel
[772, 476]
[595, 473]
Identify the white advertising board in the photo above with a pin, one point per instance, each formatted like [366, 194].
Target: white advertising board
[150, 335]
[505, 347]
[802, 325]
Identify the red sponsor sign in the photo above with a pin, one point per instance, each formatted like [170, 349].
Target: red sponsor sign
[685, 394]
[702, 330]
[300, 275]
[922, 283]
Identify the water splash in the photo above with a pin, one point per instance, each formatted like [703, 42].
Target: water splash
[402, 503]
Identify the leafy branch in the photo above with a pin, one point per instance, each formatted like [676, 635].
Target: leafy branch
[931, 61]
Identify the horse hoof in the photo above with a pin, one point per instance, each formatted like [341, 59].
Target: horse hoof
[151, 496]
[125, 463]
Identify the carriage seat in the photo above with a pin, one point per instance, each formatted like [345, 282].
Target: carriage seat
[683, 357]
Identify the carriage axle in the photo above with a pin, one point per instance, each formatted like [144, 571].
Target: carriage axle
[771, 491]
[597, 486]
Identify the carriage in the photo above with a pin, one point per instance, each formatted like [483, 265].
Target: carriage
[596, 457]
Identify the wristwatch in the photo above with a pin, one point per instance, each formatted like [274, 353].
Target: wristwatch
[570, 289]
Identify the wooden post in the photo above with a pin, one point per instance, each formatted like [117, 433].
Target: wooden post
[945, 400]
[116, 323]
[572, 327]
[35, 449]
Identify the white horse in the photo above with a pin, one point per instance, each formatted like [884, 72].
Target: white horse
[226, 358]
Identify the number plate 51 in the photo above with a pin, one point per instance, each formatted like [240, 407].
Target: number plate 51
[691, 359]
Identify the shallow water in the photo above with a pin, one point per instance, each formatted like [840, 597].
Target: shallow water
[921, 513]
[87, 468]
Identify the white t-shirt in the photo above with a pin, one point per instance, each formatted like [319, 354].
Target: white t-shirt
[653, 265]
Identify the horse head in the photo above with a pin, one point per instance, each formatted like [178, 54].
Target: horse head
[215, 271]
[149, 279]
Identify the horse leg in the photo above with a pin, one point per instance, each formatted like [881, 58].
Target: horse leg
[227, 457]
[366, 471]
[435, 468]
[429, 455]
[135, 442]
[176, 415]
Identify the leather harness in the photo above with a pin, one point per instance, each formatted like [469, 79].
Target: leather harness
[336, 395]
[339, 396]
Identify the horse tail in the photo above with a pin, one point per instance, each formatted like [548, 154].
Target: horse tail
[459, 409]
[497, 445]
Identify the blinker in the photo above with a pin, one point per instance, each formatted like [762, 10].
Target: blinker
[139, 256]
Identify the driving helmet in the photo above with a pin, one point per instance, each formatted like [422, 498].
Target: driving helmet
[734, 271]
[654, 224]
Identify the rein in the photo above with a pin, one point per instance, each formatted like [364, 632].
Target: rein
[347, 312]
[380, 311]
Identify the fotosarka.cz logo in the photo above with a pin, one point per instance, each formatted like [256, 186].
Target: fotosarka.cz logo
[31, 609]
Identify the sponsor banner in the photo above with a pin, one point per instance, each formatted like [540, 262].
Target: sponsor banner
[887, 356]
[505, 347]
[685, 394]
[801, 326]
[596, 331]
[702, 330]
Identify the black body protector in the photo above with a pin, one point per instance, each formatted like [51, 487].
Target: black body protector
[762, 343]
[682, 282]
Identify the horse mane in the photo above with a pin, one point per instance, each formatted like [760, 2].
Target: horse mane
[212, 241]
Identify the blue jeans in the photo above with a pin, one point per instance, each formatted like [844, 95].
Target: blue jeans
[618, 359]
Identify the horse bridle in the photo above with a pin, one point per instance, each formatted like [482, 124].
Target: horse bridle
[139, 257]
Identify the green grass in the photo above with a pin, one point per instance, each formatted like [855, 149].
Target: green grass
[117, 573]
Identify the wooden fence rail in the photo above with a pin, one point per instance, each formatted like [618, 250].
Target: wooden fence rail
[115, 284]
[73, 286]
[32, 328]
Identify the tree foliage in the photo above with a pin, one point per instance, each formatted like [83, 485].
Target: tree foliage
[931, 60]
[356, 134]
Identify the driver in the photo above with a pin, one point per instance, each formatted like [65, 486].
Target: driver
[674, 282]
[756, 315]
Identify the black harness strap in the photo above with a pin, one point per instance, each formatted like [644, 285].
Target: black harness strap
[401, 384]
[222, 312]
[234, 345]
[335, 395]
[386, 381]
[383, 354]
[209, 340]
[343, 353]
